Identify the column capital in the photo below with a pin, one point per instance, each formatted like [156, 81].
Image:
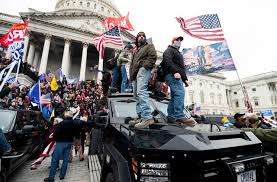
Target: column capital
[48, 36]
[67, 40]
[85, 44]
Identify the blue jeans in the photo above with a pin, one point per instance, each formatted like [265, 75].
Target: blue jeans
[4, 144]
[140, 86]
[115, 76]
[125, 85]
[62, 149]
[175, 107]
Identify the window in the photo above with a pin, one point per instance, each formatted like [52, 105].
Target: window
[95, 6]
[211, 85]
[253, 89]
[271, 86]
[237, 103]
[81, 3]
[212, 98]
[235, 93]
[219, 97]
[200, 84]
[202, 97]
[256, 101]
[217, 86]
[88, 4]
[275, 99]
[102, 8]
[191, 96]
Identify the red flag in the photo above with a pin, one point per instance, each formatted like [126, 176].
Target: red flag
[206, 27]
[122, 22]
[16, 33]
[110, 37]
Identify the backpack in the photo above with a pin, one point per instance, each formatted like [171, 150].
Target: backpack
[160, 74]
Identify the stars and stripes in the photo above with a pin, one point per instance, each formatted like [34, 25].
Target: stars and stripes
[206, 27]
[246, 100]
[110, 37]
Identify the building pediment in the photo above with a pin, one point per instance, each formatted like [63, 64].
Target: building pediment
[85, 22]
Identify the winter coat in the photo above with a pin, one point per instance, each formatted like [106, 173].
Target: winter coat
[268, 135]
[173, 62]
[145, 56]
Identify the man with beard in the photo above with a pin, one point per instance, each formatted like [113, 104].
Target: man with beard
[140, 73]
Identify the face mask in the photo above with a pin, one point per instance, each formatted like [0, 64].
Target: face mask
[177, 44]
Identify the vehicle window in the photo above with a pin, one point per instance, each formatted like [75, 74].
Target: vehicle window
[162, 106]
[6, 119]
[125, 109]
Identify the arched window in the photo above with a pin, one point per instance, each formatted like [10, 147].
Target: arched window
[202, 100]
[102, 8]
[95, 6]
[88, 4]
[81, 3]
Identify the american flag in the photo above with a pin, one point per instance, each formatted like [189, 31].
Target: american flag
[247, 102]
[45, 99]
[206, 27]
[110, 37]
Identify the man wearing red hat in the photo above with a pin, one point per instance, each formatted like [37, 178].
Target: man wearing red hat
[174, 69]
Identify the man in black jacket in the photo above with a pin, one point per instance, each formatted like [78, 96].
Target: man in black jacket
[63, 135]
[175, 75]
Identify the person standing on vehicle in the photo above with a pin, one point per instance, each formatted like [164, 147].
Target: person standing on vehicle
[63, 135]
[143, 61]
[175, 75]
[124, 58]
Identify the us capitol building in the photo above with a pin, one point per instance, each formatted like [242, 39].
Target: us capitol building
[64, 39]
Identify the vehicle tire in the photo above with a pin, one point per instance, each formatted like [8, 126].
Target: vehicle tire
[3, 176]
[110, 178]
[95, 142]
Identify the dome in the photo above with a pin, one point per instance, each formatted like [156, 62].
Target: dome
[102, 7]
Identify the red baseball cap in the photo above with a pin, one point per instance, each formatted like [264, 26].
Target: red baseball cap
[177, 38]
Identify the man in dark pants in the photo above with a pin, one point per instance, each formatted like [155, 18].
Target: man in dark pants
[63, 135]
[174, 69]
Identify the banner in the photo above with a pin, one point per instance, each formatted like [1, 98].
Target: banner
[16, 33]
[208, 59]
[122, 22]
[267, 113]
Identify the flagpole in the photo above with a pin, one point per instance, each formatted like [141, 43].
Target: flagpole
[18, 66]
[100, 69]
[39, 95]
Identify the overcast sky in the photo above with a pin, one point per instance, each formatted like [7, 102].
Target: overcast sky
[250, 26]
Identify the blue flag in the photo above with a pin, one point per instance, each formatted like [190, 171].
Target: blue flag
[34, 93]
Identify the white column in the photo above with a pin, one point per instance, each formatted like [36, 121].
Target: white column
[65, 60]
[31, 53]
[45, 53]
[83, 62]
[26, 44]
[100, 68]
[36, 59]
